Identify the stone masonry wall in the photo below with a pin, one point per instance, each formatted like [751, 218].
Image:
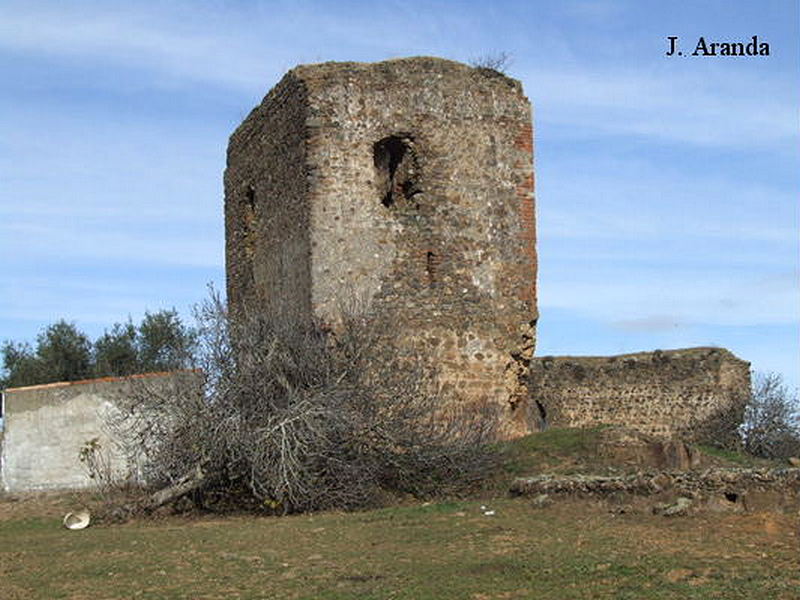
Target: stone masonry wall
[697, 393]
[405, 187]
[267, 218]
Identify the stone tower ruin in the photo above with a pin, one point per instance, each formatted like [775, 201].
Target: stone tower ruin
[407, 186]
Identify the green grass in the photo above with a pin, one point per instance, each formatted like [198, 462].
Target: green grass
[567, 451]
[554, 448]
[740, 458]
[435, 551]
[727, 455]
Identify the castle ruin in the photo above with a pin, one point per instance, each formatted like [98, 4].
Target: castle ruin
[407, 186]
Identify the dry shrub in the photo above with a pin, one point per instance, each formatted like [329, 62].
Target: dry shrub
[301, 419]
[763, 421]
[497, 62]
[771, 427]
[111, 488]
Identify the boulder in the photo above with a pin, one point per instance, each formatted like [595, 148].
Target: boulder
[678, 508]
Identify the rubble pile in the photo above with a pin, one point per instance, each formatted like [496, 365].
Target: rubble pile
[693, 483]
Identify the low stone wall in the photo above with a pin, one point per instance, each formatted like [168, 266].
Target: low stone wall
[715, 480]
[697, 394]
[47, 425]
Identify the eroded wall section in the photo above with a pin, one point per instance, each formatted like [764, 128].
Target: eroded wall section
[697, 393]
[267, 228]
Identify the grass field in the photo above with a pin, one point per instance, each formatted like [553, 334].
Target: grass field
[440, 551]
[573, 549]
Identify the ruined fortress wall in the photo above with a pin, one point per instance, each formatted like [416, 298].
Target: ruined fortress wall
[696, 393]
[47, 425]
[405, 186]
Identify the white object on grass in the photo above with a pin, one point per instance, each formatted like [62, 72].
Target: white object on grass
[77, 520]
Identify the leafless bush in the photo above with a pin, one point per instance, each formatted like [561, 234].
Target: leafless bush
[497, 61]
[722, 428]
[111, 488]
[98, 465]
[300, 419]
[771, 426]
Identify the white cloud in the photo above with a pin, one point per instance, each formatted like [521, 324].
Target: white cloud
[704, 108]
[132, 39]
[93, 303]
[592, 10]
[244, 49]
[648, 323]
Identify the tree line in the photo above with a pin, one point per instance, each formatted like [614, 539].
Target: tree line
[62, 352]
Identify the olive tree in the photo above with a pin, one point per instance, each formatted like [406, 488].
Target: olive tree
[161, 342]
[62, 353]
[116, 351]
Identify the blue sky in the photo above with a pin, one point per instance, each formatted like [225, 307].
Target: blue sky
[667, 188]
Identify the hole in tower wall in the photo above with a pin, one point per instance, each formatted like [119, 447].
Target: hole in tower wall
[249, 221]
[431, 264]
[397, 169]
[542, 416]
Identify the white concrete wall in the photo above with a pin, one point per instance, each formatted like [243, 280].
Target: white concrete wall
[46, 426]
[41, 447]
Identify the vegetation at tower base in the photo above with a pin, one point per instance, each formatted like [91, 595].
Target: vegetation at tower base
[293, 420]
